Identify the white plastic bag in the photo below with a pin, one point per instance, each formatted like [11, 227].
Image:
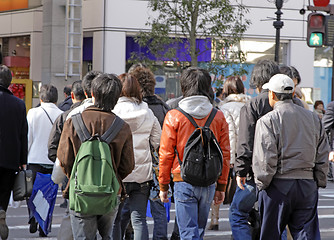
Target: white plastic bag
[58, 175]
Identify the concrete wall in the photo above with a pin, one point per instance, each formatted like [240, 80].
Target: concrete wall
[53, 51]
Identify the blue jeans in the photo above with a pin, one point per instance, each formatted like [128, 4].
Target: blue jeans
[192, 206]
[242, 203]
[86, 226]
[121, 220]
[159, 215]
[138, 197]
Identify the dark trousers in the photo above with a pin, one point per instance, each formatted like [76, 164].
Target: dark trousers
[36, 168]
[295, 207]
[7, 178]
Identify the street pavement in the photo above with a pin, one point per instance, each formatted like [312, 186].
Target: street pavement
[17, 219]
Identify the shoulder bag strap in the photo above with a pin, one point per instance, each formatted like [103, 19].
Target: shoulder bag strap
[80, 127]
[47, 115]
[113, 130]
[190, 118]
[211, 117]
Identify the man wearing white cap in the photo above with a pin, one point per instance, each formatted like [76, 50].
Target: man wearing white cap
[290, 162]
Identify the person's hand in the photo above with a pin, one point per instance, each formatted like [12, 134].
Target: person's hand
[163, 196]
[241, 181]
[219, 197]
[331, 156]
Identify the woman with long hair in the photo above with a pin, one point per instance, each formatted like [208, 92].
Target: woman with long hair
[233, 90]
[146, 130]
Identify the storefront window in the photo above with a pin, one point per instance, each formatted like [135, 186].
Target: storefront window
[259, 50]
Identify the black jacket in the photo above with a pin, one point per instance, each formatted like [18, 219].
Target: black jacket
[249, 114]
[55, 133]
[66, 104]
[158, 107]
[13, 131]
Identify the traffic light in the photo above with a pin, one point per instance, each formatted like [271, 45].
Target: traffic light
[316, 30]
[320, 3]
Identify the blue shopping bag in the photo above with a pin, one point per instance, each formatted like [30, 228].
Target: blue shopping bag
[166, 205]
[42, 200]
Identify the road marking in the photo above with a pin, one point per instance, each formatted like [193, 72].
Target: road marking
[328, 195]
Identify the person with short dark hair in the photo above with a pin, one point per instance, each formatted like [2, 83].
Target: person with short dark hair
[86, 85]
[319, 108]
[245, 195]
[146, 131]
[77, 95]
[294, 75]
[105, 91]
[66, 104]
[192, 203]
[14, 142]
[218, 97]
[40, 121]
[290, 163]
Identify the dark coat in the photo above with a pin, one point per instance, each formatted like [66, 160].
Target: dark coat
[249, 114]
[13, 131]
[158, 107]
[97, 122]
[66, 104]
[55, 133]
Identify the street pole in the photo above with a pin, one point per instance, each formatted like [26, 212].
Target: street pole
[278, 24]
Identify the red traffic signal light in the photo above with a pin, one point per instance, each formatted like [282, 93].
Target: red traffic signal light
[316, 30]
[316, 21]
[320, 3]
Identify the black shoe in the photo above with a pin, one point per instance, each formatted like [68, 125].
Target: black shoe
[64, 204]
[3, 226]
[175, 236]
[41, 233]
[33, 225]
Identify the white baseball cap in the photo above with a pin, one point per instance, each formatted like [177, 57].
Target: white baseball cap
[280, 83]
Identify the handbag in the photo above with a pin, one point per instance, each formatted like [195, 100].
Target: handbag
[23, 185]
[58, 176]
[231, 187]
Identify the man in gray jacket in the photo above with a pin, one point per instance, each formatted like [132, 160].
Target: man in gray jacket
[290, 162]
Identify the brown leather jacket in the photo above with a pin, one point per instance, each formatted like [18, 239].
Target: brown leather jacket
[97, 122]
[175, 133]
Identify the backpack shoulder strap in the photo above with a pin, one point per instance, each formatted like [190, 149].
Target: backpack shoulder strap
[113, 130]
[211, 117]
[188, 116]
[80, 127]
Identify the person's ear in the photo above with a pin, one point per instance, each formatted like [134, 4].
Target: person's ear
[72, 95]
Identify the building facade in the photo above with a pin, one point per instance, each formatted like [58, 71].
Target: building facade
[37, 32]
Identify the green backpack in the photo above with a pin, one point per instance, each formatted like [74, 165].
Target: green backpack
[93, 182]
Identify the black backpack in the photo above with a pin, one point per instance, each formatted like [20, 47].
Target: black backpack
[202, 157]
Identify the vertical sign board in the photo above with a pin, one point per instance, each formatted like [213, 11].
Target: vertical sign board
[329, 40]
[7, 5]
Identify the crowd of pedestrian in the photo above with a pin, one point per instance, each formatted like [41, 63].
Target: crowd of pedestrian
[273, 153]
